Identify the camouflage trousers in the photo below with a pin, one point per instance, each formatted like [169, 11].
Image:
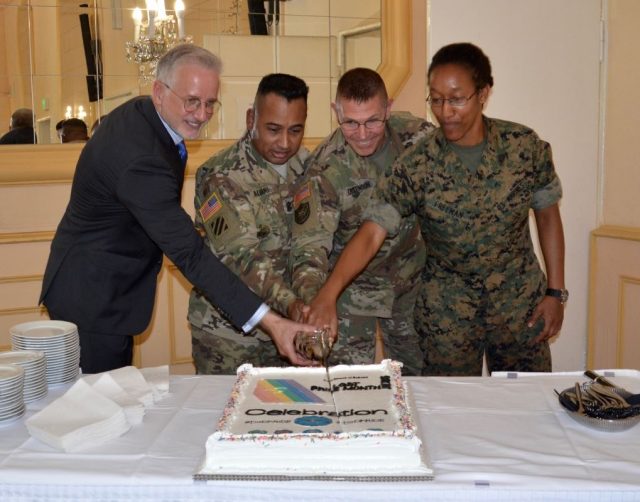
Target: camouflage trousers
[356, 342]
[457, 328]
[219, 354]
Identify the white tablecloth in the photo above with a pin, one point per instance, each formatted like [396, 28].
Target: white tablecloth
[487, 439]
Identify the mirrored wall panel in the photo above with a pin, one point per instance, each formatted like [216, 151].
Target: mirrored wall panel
[67, 59]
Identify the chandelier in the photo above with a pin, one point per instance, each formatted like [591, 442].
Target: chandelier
[155, 35]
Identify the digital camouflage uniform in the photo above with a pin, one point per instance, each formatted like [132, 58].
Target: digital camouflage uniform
[329, 205]
[245, 209]
[482, 279]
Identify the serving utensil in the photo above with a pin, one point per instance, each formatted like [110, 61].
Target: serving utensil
[579, 397]
[632, 399]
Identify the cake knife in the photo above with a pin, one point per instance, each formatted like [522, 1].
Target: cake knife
[327, 345]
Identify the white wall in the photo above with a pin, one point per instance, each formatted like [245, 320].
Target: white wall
[545, 56]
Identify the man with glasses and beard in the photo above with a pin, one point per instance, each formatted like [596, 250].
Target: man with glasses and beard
[328, 207]
[124, 214]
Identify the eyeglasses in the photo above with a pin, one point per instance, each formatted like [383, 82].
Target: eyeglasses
[354, 125]
[192, 104]
[457, 102]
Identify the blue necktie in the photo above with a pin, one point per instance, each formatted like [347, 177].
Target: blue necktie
[182, 151]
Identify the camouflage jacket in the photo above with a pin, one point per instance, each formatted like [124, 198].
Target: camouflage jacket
[474, 224]
[245, 209]
[329, 205]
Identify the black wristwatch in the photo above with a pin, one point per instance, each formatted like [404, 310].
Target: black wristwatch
[560, 294]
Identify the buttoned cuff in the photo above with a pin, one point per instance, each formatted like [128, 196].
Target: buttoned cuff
[256, 318]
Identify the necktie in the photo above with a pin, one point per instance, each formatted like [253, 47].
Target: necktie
[182, 151]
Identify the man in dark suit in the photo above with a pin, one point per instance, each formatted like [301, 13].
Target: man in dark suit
[125, 212]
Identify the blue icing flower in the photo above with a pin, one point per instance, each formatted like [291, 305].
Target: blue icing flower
[257, 431]
[312, 431]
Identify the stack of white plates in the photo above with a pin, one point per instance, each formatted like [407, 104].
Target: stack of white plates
[34, 364]
[58, 340]
[11, 400]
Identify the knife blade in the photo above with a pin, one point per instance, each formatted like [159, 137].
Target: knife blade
[317, 345]
[326, 346]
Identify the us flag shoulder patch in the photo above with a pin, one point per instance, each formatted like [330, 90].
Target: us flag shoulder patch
[212, 205]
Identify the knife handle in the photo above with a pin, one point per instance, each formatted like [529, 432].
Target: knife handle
[598, 378]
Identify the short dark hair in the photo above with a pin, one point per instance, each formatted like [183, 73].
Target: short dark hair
[289, 87]
[74, 130]
[361, 84]
[468, 56]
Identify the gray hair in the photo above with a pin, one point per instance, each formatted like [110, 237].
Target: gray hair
[183, 54]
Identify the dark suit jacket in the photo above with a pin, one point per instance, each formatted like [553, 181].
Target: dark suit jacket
[124, 212]
[19, 136]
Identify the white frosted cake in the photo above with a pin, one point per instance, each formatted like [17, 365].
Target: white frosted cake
[287, 422]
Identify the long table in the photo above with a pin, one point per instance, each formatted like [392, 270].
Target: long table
[490, 438]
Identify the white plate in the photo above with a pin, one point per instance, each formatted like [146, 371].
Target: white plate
[45, 336]
[14, 382]
[21, 357]
[35, 390]
[33, 373]
[43, 329]
[34, 396]
[59, 345]
[16, 413]
[10, 405]
[9, 373]
[7, 392]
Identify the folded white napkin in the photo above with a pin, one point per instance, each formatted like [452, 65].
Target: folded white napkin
[158, 378]
[80, 419]
[131, 380]
[108, 387]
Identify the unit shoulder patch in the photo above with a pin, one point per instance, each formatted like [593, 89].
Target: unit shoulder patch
[302, 204]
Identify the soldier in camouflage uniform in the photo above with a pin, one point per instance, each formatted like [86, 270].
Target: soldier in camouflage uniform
[245, 209]
[472, 183]
[340, 177]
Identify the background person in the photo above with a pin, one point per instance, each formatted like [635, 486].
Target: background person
[472, 184]
[329, 204]
[250, 229]
[59, 129]
[20, 129]
[74, 131]
[124, 213]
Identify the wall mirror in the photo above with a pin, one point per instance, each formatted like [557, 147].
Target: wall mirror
[65, 58]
